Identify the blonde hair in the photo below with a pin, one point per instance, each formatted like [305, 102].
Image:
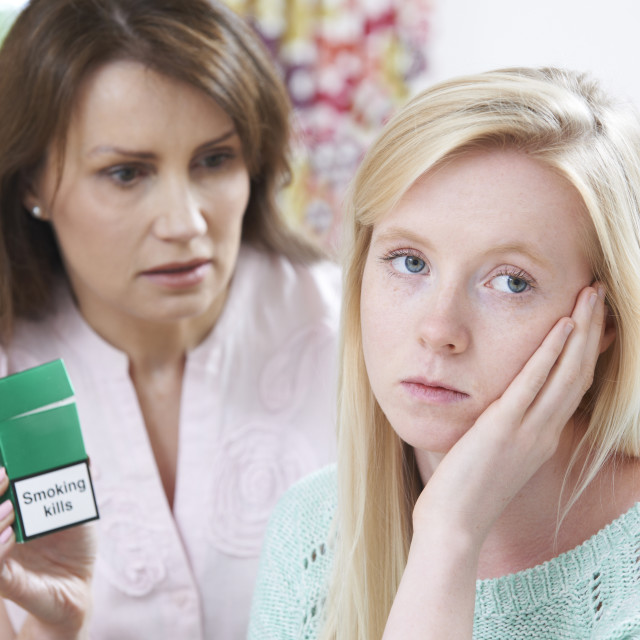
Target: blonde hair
[567, 123]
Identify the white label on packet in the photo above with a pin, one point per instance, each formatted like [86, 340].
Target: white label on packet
[55, 499]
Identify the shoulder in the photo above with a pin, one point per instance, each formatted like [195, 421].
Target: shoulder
[621, 621]
[302, 517]
[34, 341]
[618, 593]
[308, 505]
[63, 334]
[272, 276]
[299, 526]
[290, 313]
[296, 560]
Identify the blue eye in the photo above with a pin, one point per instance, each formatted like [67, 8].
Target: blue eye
[517, 285]
[408, 263]
[414, 264]
[511, 283]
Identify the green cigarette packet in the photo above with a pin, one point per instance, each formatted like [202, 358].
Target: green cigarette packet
[42, 449]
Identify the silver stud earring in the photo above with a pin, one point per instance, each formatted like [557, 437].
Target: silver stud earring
[36, 212]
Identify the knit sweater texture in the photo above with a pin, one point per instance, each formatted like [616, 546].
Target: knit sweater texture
[591, 592]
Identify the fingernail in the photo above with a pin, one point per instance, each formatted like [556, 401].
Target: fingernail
[5, 509]
[592, 299]
[5, 535]
[3, 473]
[568, 328]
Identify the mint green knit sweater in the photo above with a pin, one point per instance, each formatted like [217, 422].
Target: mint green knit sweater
[590, 592]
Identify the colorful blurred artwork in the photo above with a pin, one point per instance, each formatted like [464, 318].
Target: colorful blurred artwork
[347, 64]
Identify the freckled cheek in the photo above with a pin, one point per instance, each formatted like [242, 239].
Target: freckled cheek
[385, 331]
[372, 315]
[507, 348]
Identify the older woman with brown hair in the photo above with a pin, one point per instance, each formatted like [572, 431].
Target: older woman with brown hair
[142, 144]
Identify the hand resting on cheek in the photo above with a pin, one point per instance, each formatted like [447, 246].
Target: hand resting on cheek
[486, 468]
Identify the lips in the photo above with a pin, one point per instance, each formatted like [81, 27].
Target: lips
[433, 391]
[179, 276]
[177, 267]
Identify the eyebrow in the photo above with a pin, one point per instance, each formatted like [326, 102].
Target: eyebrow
[518, 247]
[149, 155]
[397, 234]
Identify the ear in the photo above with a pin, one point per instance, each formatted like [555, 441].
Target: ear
[609, 333]
[31, 200]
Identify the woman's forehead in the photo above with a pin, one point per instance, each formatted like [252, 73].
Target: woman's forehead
[502, 196]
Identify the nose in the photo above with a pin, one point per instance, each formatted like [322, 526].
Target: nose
[180, 215]
[444, 323]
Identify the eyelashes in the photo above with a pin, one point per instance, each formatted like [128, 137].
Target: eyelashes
[406, 262]
[512, 280]
[508, 279]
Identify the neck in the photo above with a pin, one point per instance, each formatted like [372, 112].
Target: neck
[528, 533]
[153, 346]
[531, 529]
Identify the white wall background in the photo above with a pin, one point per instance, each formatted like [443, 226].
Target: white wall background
[600, 36]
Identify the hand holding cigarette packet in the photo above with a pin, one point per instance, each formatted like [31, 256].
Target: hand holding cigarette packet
[42, 449]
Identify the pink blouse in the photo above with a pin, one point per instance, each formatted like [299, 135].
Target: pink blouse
[257, 413]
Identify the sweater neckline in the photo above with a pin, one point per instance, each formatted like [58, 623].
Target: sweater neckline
[549, 580]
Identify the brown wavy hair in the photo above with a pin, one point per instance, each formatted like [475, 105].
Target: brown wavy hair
[50, 50]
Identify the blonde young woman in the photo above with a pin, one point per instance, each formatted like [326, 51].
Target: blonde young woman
[488, 476]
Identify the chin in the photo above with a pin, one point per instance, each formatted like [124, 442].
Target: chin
[177, 311]
[433, 437]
